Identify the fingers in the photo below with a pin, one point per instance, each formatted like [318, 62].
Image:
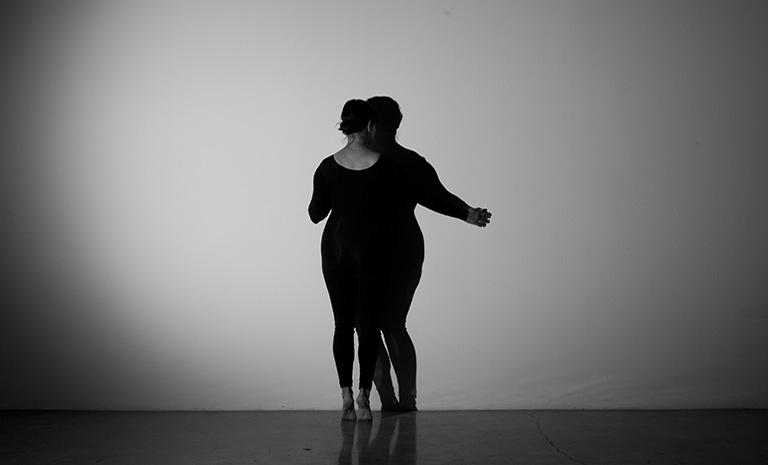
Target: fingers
[483, 217]
[480, 217]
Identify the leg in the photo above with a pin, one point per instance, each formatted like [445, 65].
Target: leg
[400, 291]
[369, 339]
[382, 378]
[403, 356]
[342, 292]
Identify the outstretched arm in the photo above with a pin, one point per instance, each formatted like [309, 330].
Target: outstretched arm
[439, 205]
[475, 216]
[426, 176]
[429, 182]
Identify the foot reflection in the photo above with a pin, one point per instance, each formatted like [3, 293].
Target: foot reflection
[390, 440]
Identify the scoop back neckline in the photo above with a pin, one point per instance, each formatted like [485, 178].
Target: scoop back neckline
[352, 169]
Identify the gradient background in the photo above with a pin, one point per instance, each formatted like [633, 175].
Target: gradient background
[156, 169]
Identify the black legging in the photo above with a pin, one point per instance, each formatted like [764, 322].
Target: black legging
[356, 301]
[401, 287]
[404, 273]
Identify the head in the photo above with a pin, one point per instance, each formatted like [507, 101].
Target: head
[358, 119]
[388, 112]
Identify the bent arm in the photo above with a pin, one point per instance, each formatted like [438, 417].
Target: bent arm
[320, 205]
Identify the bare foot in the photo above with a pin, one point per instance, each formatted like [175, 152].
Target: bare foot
[364, 405]
[348, 405]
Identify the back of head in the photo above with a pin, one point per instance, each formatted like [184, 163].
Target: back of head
[356, 116]
[388, 111]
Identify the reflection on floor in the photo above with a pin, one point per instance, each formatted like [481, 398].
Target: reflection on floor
[414, 438]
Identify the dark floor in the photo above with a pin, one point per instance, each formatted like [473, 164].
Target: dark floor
[698, 437]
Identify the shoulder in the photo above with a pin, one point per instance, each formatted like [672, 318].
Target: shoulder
[408, 159]
[325, 170]
[326, 163]
[415, 158]
[412, 154]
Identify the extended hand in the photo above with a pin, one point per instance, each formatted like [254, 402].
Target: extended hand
[479, 217]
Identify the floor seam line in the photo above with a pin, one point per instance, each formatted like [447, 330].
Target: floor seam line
[549, 441]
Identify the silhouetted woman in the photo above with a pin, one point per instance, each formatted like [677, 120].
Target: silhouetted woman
[360, 189]
[405, 259]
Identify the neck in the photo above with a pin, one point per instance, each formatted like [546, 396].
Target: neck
[356, 141]
[384, 139]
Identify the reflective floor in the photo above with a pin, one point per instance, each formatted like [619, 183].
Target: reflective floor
[426, 437]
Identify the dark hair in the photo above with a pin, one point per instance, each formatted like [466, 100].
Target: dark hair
[355, 116]
[388, 111]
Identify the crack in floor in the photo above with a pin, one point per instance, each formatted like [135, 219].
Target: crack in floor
[549, 441]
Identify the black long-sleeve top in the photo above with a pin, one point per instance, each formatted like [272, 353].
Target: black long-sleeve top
[364, 206]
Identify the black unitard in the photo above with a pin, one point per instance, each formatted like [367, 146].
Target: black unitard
[356, 244]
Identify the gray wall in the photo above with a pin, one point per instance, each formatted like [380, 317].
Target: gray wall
[157, 163]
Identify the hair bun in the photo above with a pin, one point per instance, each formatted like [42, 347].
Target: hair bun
[347, 125]
[356, 116]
